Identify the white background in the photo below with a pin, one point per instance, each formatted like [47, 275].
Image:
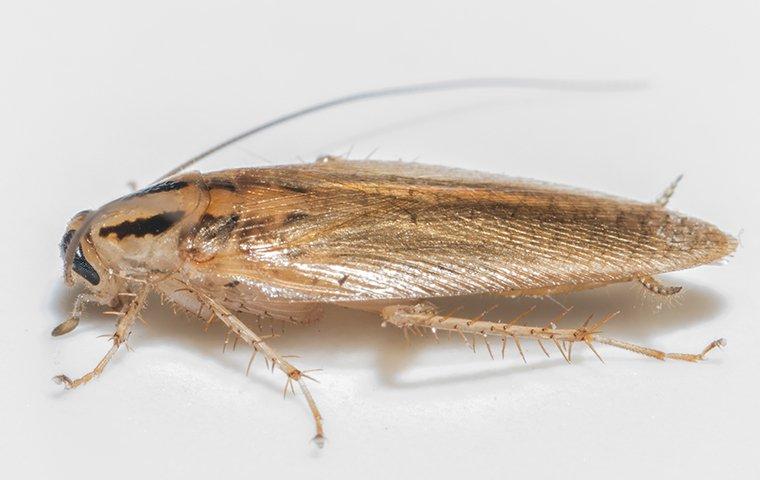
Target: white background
[95, 94]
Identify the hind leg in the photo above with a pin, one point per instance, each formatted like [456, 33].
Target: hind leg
[424, 316]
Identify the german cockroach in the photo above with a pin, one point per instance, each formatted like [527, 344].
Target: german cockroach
[283, 241]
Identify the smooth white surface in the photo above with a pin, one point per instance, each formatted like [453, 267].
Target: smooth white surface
[96, 94]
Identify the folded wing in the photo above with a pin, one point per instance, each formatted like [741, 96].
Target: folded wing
[354, 230]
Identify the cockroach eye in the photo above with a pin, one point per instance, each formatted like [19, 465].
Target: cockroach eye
[80, 266]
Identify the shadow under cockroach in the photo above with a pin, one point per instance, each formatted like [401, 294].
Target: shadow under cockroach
[643, 316]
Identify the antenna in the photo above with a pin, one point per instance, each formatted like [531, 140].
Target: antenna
[470, 83]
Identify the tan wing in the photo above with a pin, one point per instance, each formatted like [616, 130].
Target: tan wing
[351, 230]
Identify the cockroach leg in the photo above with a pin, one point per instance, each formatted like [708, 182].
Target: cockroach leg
[123, 328]
[407, 316]
[71, 323]
[237, 327]
[664, 197]
[651, 352]
[654, 286]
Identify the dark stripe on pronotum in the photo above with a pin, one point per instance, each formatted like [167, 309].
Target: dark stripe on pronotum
[80, 265]
[166, 186]
[143, 226]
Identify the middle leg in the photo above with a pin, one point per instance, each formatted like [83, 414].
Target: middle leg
[257, 343]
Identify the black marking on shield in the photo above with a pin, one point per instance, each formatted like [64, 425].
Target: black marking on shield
[165, 186]
[154, 225]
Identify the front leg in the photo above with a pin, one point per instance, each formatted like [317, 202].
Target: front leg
[257, 343]
[127, 317]
[71, 323]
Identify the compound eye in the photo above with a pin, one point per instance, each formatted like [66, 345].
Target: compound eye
[80, 266]
[85, 268]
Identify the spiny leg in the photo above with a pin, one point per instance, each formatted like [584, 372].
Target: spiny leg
[654, 286]
[647, 281]
[127, 317]
[664, 198]
[425, 316]
[258, 344]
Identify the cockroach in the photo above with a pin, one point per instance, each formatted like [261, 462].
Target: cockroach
[283, 241]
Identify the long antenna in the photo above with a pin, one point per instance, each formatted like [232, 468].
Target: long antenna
[498, 82]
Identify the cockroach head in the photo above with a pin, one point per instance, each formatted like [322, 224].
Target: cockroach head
[133, 237]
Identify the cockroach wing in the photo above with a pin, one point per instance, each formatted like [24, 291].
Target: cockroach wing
[343, 230]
